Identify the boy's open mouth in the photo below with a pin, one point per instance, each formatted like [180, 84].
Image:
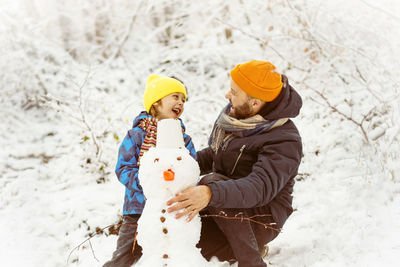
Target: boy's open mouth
[177, 111]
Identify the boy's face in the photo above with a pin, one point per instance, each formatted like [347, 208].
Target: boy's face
[171, 106]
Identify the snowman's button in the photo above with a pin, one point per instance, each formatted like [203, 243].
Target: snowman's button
[179, 158]
[165, 231]
[162, 219]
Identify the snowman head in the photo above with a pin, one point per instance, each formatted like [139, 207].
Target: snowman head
[167, 171]
[167, 168]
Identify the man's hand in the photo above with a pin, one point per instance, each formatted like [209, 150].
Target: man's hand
[191, 200]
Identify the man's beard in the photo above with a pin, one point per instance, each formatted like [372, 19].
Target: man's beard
[241, 112]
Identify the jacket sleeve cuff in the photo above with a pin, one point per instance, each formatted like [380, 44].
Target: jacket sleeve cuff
[215, 195]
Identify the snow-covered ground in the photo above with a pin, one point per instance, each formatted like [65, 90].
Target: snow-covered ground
[72, 77]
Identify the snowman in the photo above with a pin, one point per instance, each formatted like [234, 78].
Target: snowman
[165, 170]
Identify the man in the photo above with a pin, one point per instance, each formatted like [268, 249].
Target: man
[253, 157]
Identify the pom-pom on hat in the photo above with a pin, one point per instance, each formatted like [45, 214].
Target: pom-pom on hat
[158, 86]
[258, 79]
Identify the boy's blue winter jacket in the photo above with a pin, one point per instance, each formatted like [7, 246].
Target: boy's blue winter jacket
[127, 169]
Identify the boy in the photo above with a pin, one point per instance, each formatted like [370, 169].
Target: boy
[164, 97]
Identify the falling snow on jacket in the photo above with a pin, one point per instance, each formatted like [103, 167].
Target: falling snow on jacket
[261, 167]
[127, 168]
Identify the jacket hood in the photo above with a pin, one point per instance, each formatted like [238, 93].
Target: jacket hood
[286, 105]
[144, 114]
[139, 117]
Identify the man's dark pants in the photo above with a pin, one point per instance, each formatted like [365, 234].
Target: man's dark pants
[229, 237]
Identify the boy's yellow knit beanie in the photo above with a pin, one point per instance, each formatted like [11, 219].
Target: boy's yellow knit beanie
[158, 86]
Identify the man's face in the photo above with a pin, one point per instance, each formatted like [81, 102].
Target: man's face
[241, 108]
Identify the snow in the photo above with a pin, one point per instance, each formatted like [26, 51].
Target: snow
[72, 78]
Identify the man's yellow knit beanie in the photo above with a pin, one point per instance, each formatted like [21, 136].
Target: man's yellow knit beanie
[158, 86]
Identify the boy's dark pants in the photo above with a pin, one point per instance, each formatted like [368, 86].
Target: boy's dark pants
[234, 240]
[123, 255]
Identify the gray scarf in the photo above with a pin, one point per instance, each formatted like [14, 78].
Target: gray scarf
[227, 127]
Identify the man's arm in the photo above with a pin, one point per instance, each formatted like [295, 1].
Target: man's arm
[276, 164]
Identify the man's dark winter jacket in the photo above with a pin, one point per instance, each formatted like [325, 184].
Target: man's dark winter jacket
[262, 167]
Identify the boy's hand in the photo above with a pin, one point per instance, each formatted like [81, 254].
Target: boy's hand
[191, 200]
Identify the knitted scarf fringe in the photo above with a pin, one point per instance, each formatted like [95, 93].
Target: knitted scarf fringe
[148, 124]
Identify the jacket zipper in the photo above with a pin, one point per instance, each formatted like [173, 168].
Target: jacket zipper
[237, 160]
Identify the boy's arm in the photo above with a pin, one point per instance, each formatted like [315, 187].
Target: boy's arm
[127, 165]
[189, 145]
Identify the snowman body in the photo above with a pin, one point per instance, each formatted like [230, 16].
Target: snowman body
[165, 171]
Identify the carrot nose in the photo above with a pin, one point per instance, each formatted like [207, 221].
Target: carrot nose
[169, 175]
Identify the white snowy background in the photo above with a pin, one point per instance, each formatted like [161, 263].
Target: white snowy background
[72, 75]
